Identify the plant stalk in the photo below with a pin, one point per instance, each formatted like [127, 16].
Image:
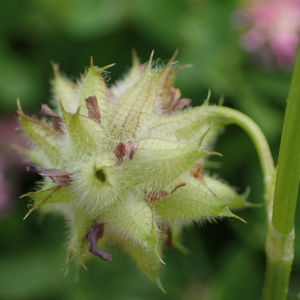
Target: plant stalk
[280, 241]
[281, 210]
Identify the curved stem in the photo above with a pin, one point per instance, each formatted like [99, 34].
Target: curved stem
[280, 235]
[258, 139]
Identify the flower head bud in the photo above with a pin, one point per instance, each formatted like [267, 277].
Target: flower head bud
[124, 165]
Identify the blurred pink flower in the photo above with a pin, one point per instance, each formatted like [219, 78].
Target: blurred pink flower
[12, 167]
[274, 28]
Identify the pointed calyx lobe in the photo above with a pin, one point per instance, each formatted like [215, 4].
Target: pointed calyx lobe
[94, 85]
[187, 125]
[164, 160]
[133, 217]
[44, 135]
[136, 107]
[65, 90]
[191, 202]
[85, 132]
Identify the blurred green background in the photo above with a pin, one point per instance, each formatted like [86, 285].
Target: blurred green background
[227, 259]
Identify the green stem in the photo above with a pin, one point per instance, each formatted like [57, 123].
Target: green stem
[259, 140]
[280, 242]
[288, 169]
[280, 236]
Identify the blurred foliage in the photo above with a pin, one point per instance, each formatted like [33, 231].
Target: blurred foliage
[227, 258]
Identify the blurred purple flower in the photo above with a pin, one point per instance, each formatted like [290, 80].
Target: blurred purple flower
[12, 167]
[273, 30]
[6, 190]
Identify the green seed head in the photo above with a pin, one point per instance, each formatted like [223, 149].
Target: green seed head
[124, 165]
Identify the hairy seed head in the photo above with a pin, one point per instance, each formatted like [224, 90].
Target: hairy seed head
[125, 165]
